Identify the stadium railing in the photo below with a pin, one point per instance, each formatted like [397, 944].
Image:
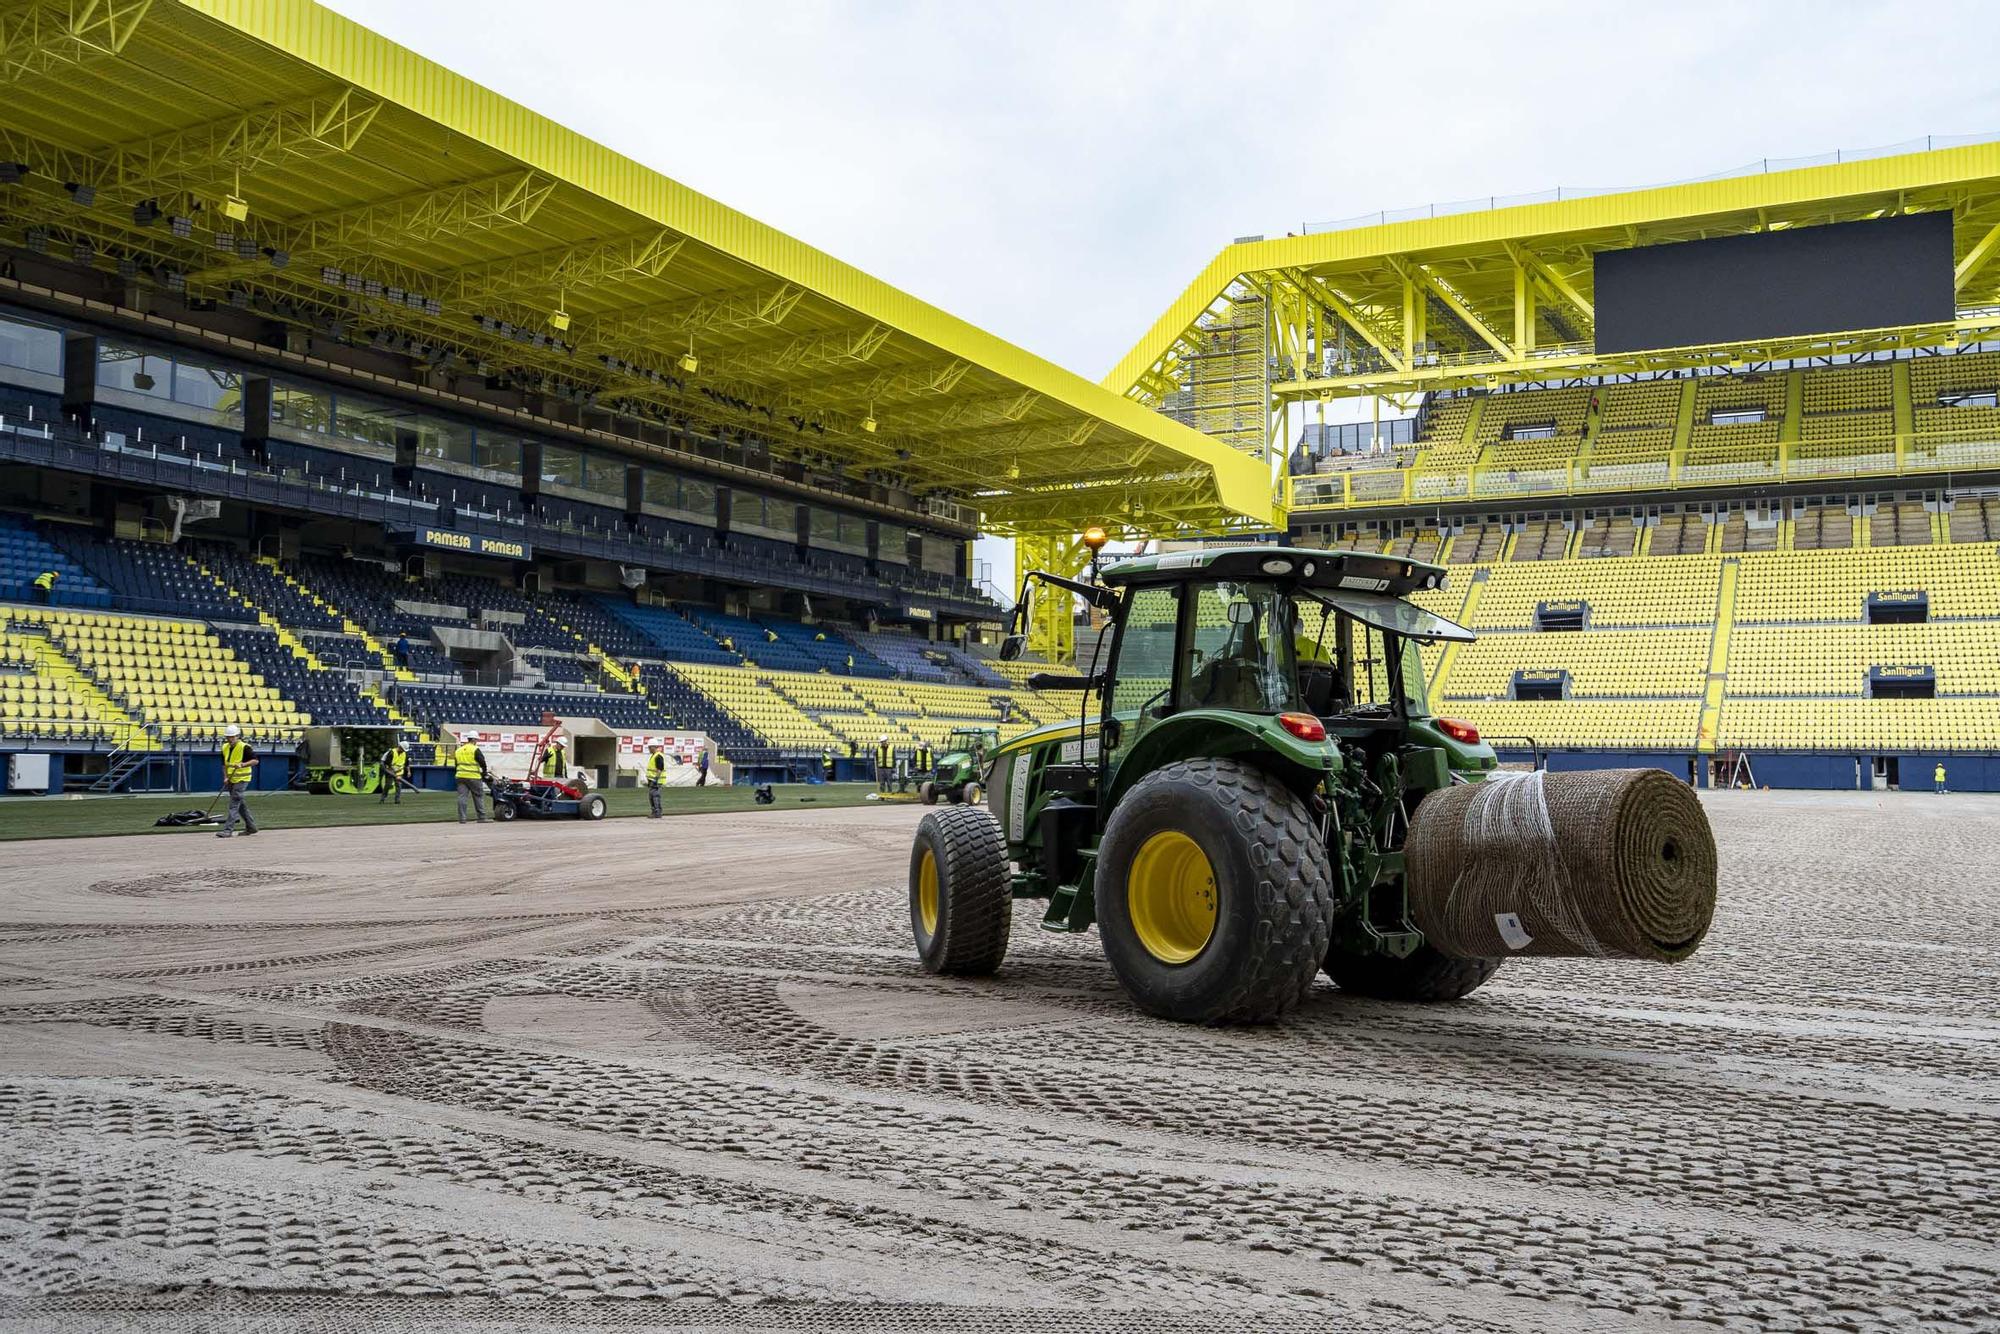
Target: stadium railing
[1792, 461]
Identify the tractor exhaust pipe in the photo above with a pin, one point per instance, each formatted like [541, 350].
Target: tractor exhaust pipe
[1611, 864]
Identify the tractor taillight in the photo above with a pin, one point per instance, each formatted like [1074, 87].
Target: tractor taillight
[1458, 731]
[1304, 726]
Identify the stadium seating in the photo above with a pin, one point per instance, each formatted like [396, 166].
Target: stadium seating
[45, 698]
[664, 633]
[327, 697]
[1622, 663]
[1619, 724]
[1659, 592]
[435, 706]
[150, 577]
[175, 676]
[24, 555]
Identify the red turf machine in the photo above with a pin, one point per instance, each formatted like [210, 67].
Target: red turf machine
[542, 796]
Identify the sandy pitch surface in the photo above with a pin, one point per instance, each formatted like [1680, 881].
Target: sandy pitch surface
[688, 1076]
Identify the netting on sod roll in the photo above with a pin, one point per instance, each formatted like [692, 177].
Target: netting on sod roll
[1615, 863]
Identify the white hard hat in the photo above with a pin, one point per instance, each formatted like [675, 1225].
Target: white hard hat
[232, 730]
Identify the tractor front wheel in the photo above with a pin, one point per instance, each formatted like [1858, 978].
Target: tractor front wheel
[972, 794]
[1425, 976]
[1214, 899]
[592, 808]
[504, 810]
[927, 794]
[961, 892]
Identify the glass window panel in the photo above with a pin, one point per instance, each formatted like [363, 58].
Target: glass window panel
[662, 488]
[370, 423]
[1145, 657]
[134, 371]
[825, 525]
[562, 466]
[441, 439]
[746, 509]
[892, 543]
[604, 475]
[698, 497]
[1240, 655]
[30, 347]
[301, 409]
[218, 391]
[497, 451]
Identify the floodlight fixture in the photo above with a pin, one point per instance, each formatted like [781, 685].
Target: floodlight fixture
[81, 193]
[235, 208]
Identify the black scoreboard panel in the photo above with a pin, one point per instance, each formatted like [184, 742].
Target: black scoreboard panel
[1802, 280]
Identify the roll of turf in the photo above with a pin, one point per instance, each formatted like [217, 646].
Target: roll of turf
[1613, 863]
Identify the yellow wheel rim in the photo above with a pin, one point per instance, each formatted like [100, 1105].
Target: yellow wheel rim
[927, 892]
[1170, 894]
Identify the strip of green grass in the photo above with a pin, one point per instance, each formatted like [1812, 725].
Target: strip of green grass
[31, 817]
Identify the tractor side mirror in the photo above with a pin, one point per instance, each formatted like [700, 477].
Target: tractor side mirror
[1242, 613]
[1012, 647]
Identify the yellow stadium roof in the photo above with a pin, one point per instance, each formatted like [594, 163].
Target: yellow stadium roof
[1493, 295]
[400, 196]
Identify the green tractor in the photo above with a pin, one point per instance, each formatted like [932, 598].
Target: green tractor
[1230, 814]
[962, 767]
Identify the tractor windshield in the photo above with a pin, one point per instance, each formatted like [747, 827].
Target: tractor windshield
[1241, 652]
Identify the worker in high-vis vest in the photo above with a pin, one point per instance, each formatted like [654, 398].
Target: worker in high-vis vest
[395, 773]
[826, 764]
[924, 762]
[238, 765]
[468, 766]
[45, 585]
[1937, 777]
[555, 760]
[656, 778]
[882, 770]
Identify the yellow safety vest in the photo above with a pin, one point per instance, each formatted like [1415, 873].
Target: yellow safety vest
[552, 762]
[466, 757]
[46, 579]
[882, 754]
[399, 763]
[656, 764]
[235, 762]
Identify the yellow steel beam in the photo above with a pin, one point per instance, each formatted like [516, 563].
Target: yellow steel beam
[42, 37]
[1629, 212]
[1563, 288]
[1975, 259]
[1455, 303]
[207, 157]
[335, 46]
[1338, 306]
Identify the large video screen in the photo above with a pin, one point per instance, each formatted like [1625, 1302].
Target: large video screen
[1803, 280]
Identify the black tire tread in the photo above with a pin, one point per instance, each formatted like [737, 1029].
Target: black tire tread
[1426, 976]
[975, 891]
[1291, 939]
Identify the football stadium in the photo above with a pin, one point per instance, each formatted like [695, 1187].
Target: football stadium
[369, 442]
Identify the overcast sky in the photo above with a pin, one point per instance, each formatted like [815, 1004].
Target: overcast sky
[1057, 172]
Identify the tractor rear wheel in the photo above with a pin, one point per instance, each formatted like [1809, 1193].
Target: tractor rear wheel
[1214, 899]
[1425, 976]
[961, 892]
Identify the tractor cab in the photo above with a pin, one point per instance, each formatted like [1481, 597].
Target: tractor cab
[961, 768]
[1269, 649]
